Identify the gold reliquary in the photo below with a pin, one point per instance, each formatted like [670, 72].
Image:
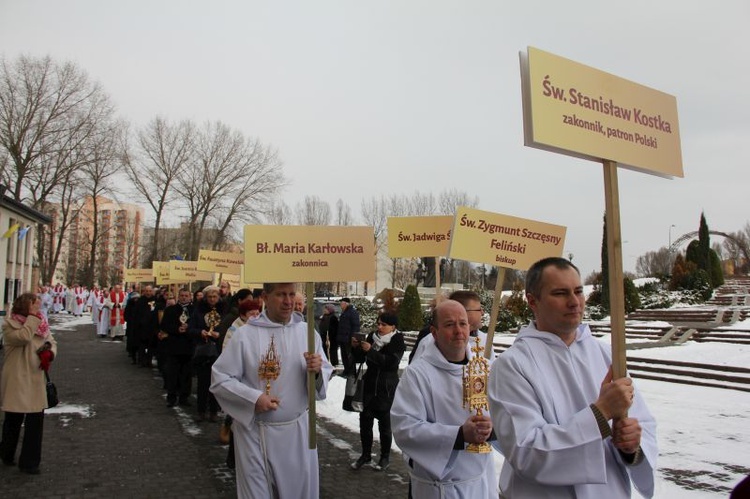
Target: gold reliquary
[476, 374]
[270, 365]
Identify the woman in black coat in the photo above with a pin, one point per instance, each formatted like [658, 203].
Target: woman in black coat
[382, 351]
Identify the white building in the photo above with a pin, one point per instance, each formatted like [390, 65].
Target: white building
[18, 226]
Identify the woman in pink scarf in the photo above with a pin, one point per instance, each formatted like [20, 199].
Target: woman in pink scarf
[29, 349]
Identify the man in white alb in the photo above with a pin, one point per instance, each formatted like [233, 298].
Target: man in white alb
[567, 428]
[430, 424]
[272, 453]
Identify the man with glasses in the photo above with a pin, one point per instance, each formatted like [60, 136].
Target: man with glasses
[430, 423]
[475, 314]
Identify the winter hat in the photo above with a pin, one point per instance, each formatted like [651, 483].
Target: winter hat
[388, 318]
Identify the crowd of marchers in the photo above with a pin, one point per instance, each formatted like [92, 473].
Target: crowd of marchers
[180, 333]
[552, 407]
[565, 426]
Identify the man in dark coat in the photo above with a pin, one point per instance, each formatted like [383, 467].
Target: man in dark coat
[131, 329]
[328, 330]
[146, 320]
[178, 347]
[348, 325]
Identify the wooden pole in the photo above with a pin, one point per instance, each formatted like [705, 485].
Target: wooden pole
[309, 291]
[438, 284]
[616, 285]
[488, 347]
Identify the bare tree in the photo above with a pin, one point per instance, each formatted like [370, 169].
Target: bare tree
[42, 105]
[48, 111]
[105, 149]
[401, 206]
[132, 244]
[375, 214]
[163, 150]
[402, 272]
[313, 211]
[735, 252]
[343, 213]
[448, 200]
[655, 263]
[225, 163]
[262, 179]
[64, 214]
[420, 205]
[279, 213]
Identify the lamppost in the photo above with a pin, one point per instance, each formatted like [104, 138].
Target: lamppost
[670, 238]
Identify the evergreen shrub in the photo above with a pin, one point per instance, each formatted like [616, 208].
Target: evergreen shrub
[410, 310]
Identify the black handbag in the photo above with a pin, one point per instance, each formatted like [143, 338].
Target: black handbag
[52, 399]
[205, 353]
[354, 393]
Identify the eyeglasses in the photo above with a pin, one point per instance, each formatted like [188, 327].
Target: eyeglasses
[475, 310]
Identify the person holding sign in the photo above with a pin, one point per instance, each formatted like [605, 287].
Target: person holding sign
[568, 428]
[271, 434]
[430, 423]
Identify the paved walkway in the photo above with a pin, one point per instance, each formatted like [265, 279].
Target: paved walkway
[113, 436]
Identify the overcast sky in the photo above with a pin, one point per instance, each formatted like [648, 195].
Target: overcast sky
[369, 98]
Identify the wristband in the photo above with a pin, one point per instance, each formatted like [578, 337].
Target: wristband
[601, 421]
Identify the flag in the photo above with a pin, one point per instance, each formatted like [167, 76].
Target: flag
[13, 228]
[22, 232]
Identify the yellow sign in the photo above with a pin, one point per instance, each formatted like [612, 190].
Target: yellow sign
[157, 266]
[413, 237]
[187, 271]
[580, 111]
[161, 273]
[237, 282]
[220, 262]
[502, 240]
[305, 253]
[138, 275]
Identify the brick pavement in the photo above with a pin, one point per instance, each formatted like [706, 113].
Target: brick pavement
[113, 436]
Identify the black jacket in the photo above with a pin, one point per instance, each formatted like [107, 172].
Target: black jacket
[177, 343]
[348, 325]
[146, 320]
[198, 321]
[381, 377]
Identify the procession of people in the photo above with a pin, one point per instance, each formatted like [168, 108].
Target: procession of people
[249, 353]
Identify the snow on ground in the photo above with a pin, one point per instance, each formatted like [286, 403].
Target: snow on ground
[702, 432]
[720, 354]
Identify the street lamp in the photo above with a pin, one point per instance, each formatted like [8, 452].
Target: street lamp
[670, 237]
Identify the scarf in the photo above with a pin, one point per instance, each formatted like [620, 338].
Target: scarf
[379, 341]
[43, 329]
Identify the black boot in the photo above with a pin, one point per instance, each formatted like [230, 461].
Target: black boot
[363, 459]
